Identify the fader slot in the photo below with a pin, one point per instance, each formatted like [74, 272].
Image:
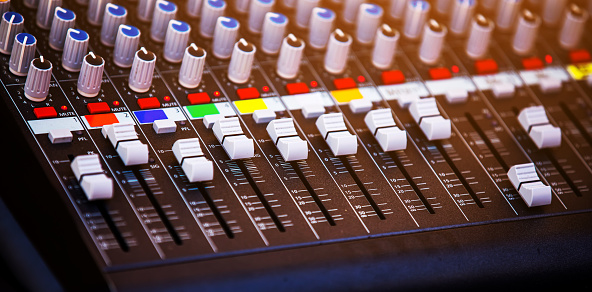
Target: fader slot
[487, 142]
[345, 161]
[312, 192]
[393, 155]
[215, 210]
[112, 226]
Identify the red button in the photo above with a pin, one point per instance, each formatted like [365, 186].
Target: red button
[297, 88]
[487, 66]
[98, 107]
[533, 63]
[392, 77]
[247, 93]
[440, 73]
[148, 103]
[101, 120]
[344, 83]
[579, 56]
[199, 98]
[45, 112]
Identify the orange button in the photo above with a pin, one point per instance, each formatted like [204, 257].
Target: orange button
[247, 93]
[579, 56]
[344, 83]
[487, 66]
[440, 73]
[148, 103]
[533, 63]
[45, 112]
[392, 77]
[199, 98]
[101, 120]
[297, 88]
[98, 107]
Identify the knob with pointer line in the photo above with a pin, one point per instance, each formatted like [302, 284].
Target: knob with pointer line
[142, 71]
[11, 25]
[38, 79]
[91, 75]
[241, 62]
[192, 66]
[23, 51]
[290, 57]
[337, 52]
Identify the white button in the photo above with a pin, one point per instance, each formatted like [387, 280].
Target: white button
[263, 116]
[360, 105]
[229, 132]
[503, 89]
[535, 122]
[550, 84]
[526, 180]
[283, 133]
[209, 120]
[133, 152]
[312, 110]
[405, 100]
[164, 126]
[332, 128]
[60, 136]
[382, 125]
[95, 184]
[457, 95]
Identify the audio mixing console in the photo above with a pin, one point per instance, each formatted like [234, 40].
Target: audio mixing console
[299, 144]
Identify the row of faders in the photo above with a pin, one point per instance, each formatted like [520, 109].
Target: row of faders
[186, 128]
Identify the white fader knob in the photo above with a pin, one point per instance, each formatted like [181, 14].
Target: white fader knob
[164, 11]
[288, 63]
[140, 78]
[273, 31]
[535, 122]
[23, 51]
[426, 113]
[507, 11]
[225, 35]
[192, 66]
[528, 184]
[337, 52]
[38, 79]
[91, 75]
[91, 177]
[479, 37]
[416, 15]
[75, 48]
[176, 40]
[11, 25]
[283, 134]
[526, 33]
[257, 11]
[195, 165]
[125, 140]
[432, 42]
[63, 20]
[367, 22]
[46, 12]
[385, 46]
[241, 62]
[462, 13]
[115, 15]
[229, 133]
[210, 11]
[572, 27]
[382, 125]
[126, 45]
[333, 130]
[322, 19]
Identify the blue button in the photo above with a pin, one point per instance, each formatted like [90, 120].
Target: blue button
[216, 3]
[79, 35]
[326, 13]
[17, 17]
[374, 9]
[117, 10]
[65, 14]
[278, 18]
[180, 26]
[229, 22]
[130, 31]
[21, 38]
[167, 6]
[423, 5]
[150, 116]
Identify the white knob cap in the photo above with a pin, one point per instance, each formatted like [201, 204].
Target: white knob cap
[126, 45]
[145, 10]
[96, 11]
[322, 19]
[241, 62]
[462, 14]
[225, 35]
[367, 22]
[479, 36]
[416, 16]
[11, 25]
[350, 10]
[91, 75]
[337, 52]
[210, 11]
[140, 78]
[507, 11]
[46, 12]
[164, 12]
[115, 15]
[288, 63]
[303, 11]
[526, 32]
[75, 48]
[385, 46]
[257, 11]
[572, 27]
[193, 7]
[176, 40]
[23, 51]
[192, 66]
[272, 33]
[432, 42]
[552, 11]
[38, 79]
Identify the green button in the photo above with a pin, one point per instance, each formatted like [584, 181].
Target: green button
[201, 110]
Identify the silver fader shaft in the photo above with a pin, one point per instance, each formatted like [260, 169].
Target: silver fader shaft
[572, 27]
[91, 75]
[23, 51]
[142, 71]
[38, 79]
[192, 66]
[479, 36]
[11, 25]
[288, 63]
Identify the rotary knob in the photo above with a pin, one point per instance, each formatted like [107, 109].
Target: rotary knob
[552, 11]
[241, 62]
[75, 49]
[45, 12]
[322, 19]
[367, 22]
[193, 8]
[507, 11]
[192, 66]
[397, 9]
[290, 57]
[350, 10]
[62, 21]
[23, 52]
[572, 27]
[303, 11]
[126, 45]
[385, 46]
[257, 11]
[432, 42]
[337, 52]
[177, 37]
[145, 10]
[526, 33]
[164, 11]
[479, 36]
[211, 10]
[91, 75]
[96, 11]
[38, 79]
[4, 6]
[462, 13]
[416, 15]
[225, 35]
[115, 15]
[142, 71]
[272, 33]
[11, 25]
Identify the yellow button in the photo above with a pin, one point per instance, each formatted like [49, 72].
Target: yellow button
[580, 71]
[248, 106]
[346, 95]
